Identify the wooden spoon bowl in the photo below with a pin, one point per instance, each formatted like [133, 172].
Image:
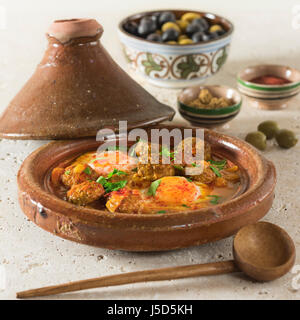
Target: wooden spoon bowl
[263, 251]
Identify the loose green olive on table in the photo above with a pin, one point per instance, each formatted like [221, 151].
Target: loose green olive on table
[257, 139]
[286, 138]
[164, 27]
[268, 130]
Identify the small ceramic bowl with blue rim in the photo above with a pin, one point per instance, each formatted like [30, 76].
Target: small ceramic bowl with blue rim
[174, 65]
[209, 117]
[269, 97]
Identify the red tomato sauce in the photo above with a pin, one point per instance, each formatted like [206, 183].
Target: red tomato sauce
[270, 80]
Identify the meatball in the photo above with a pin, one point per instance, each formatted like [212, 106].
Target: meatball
[194, 144]
[78, 173]
[124, 201]
[56, 175]
[146, 173]
[207, 176]
[144, 151]
[85, 192]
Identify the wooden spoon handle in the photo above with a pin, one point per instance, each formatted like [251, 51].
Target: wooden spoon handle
[133, 277]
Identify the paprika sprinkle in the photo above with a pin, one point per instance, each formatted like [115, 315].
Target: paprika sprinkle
[270, 80]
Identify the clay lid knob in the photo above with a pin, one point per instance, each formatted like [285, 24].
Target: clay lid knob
[66, 30]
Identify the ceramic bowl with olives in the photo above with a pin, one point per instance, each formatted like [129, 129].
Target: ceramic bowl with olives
[175, 48]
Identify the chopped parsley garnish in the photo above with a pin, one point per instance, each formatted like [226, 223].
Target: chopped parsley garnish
[152, 189]
[112, 186]
[115, 186]
[117, 172]
[218, 164]
[215, 199]
[88, 171]
[132, 153]
[68, 172]
[178, 167]
[167, 153]
[186, 206]
[194, 164]
[189, 180]
[101, 180]
[216, 171]
[161, 211]
[96, 159]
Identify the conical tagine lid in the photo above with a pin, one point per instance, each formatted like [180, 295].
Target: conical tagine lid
[78, 89]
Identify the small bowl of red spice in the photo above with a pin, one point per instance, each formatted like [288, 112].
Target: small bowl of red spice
[269, 86]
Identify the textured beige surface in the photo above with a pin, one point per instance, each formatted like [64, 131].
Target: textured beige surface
[33, 258]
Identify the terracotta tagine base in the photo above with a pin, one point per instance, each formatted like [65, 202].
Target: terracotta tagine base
[78, 89]
[146, 232]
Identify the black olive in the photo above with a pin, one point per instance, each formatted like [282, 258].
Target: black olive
[200, 36]
[146, 19]
[170, 35]
[166, 17]
[154, 37]
[201, 22]
[220, 32]
[193, 28]
[155, 16]
[206, 37]
[213, 35]
[131, 27]
[147, 26]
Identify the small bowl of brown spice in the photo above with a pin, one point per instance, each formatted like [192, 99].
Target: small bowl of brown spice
[209, 106]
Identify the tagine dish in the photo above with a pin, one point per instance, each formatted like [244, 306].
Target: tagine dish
[130, 183]
[99, 194]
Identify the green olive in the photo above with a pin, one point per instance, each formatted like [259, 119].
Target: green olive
[186, 41]
[215, 27]
[190, 16]
[286, 138]
[269, 128]
[170, 25]
[257, 139]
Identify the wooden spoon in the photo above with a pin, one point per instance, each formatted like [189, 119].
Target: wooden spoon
[262, 250]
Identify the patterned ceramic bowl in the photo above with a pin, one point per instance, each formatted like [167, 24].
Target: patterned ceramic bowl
[176, 66]
[209, 117]
[269, 97]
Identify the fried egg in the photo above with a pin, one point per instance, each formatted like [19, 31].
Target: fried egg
[105, 162]
[173, 194]
[177, 190]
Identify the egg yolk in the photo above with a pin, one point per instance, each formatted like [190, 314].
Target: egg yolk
[105, 162]
[177, 190]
